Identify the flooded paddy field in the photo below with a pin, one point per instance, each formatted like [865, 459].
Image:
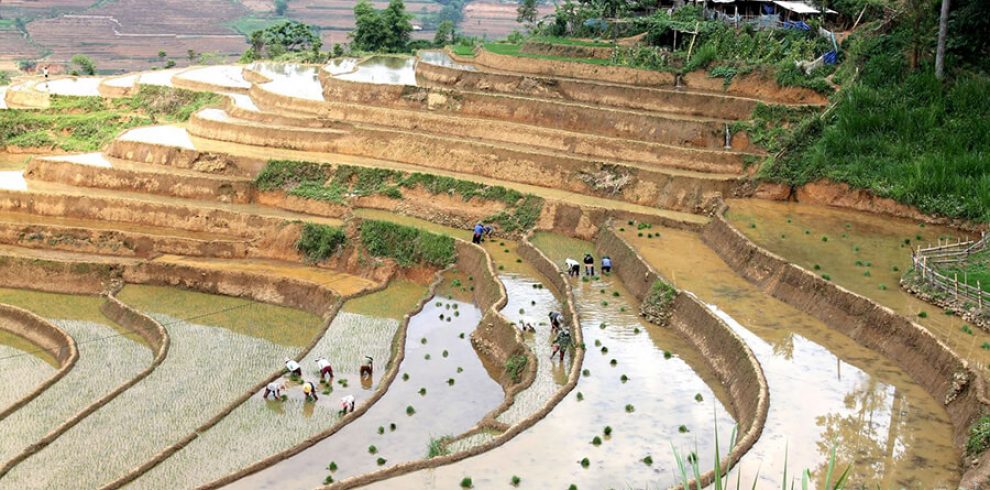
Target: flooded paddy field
[290, 79]
[24, 367]
[106, 360]
[442, 389]
[643, 415]
[825, 390]
[261, 428]
[384, 70]
[219, 347]
[864, 253]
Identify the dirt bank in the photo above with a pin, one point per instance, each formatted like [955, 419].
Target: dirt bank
[186, 158]
[727, 355]
[588, 91]
[566, 50]
[44, 335]
[915, 350]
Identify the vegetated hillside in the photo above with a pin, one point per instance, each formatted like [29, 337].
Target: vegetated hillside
[897, 130]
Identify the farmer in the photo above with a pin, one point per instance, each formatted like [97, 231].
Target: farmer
[368, 368]
[556, 320]
[310, 390]
[325, 368]
[573, 267]
[606, 264]
[275, 389]
[346, 404]
[479, 229]
[293, 367]
[489, 231]
[561, 344]
[589, 265]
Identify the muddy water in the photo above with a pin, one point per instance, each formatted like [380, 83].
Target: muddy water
[260, 428]
[23, 367]
[441, 58]
[660, 390]
[863, 253]
[385, 70]
[106, 360]
[290, 79]
[825, 390]
[210, 363]
[442, 409]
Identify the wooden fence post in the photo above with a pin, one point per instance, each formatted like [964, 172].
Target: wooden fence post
[955, 281]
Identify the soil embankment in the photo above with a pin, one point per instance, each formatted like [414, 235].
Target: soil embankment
[935, 367]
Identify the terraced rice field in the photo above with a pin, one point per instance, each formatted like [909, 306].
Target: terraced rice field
[25, 367]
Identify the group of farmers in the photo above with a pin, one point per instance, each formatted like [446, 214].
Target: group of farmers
[574, 267]
[293, 369]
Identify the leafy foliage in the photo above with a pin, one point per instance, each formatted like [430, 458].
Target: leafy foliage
[385, 30]
[405, 244]
[318, 242]
[514, 367]
[281, 38]
[84, 64]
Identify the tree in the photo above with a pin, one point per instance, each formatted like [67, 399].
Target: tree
[398, 26]
[85, 64]
[526, 12]
[287, 36]
[943, 32]
[281, 6]
[444, 34]
[369, 31]
[191, 55]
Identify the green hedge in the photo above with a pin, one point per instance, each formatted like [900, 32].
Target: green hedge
[318, 242]
[405, 244]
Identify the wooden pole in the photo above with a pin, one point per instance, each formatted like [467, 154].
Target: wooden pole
[955, 281]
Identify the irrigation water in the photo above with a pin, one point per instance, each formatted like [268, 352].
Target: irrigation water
[438, 408]
[660, 394]
[24, 367]
[385, 70]
[830, 391]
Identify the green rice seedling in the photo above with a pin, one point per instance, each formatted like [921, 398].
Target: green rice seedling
[585, 463]
[604, 350]
[783, 236]
[826, 277]
[284, 397]
[450, 381]
[604, 303]
[807, 232]
[457, 313]
[882, 287]
[817, 267]
[427, 357]
[752, 225]
[461, 335]
[613, 362]
[515, 481]
[598, 342]
[985, 346]
[439, 304]
[788, 221]
[328, 480]
[466, 482]
[917, 237]
[584, 279]
[532, 303]
[332, 466]
[622, 309]
[698, 397]
[391, 427]
[630, 222]
[422, 391]
[967, 330]
[501, 244]
[682, 429]
[858, 263]
[381, 430]
[601, 291]
[844, 235]
[667, 354]
[596, 441]
[866, 274]
[445, 353]
[648, 460]
[460, 369]
[328, 391]
[372, 449]
[442, 317]
[501, 267]
[922, 314]
[630, 408]
[506, 250]
[607, 431]
[422, 340]
[405, 376]
[869, 264]
[449, 319]
[586, 372]
[624, 378]
[615, 294]
[601, 326]
[649, 235]
[522, 311]
[622, 229]
[410, 410]
[895, 268]
[572, 487]
[381, 461]
[636, 330]
[640, 234]
[580, 396]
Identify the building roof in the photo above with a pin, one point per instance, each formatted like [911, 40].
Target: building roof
[800, 7]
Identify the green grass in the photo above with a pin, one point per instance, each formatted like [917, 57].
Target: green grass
[514, 367]
[975, 270]
[438, 447]
[566, 41]
[407, 245]
[89, 123]
[319, 242]
[250, 23]
[462, 50]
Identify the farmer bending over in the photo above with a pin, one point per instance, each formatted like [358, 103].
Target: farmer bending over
[293, 367]
[556, 320]
[325, 368]
[573, 267]
[346, 404]
[275, 389]
[589, 265]
[479, 229]
[367, 369]
[561, 343]
[310, 390]
[606, 264]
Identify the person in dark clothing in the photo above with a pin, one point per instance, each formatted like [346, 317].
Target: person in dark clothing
[589, 265]
[479, 230]
[556, 320]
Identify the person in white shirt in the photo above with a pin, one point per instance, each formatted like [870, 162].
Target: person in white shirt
[293, 367]
[275, 389]
[325, 368]
[347, 404]
[573, 267]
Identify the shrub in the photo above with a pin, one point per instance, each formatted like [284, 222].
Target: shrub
[514, 367]
[438, 447]
[318, 242]
[979, 436]
[405, 244]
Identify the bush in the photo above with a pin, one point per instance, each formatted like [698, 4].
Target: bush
[514, 367]
[405, 244]
[318, 242]
[979, 436]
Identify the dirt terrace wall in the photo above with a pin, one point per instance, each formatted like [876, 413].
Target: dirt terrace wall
[151, 331]
[557, 280]
[726, 354]
[292, 137]
[578, 144]
[588, 91]
[190, 186]
[174, 156]
[931, 364]
[118, 91]
[278, 109]
[271, 100]
[57, 277]
[643, 126]
[27, 97]
[647, 187]
[158, 214]
[755, 85]
[584, 222]
[45, 335]
[390, 374]
[566, 50]
[197, 86]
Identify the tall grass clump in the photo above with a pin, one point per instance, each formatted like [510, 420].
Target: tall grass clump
[318, 242]
[438, 447]
[405, 244]
[514, 367]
